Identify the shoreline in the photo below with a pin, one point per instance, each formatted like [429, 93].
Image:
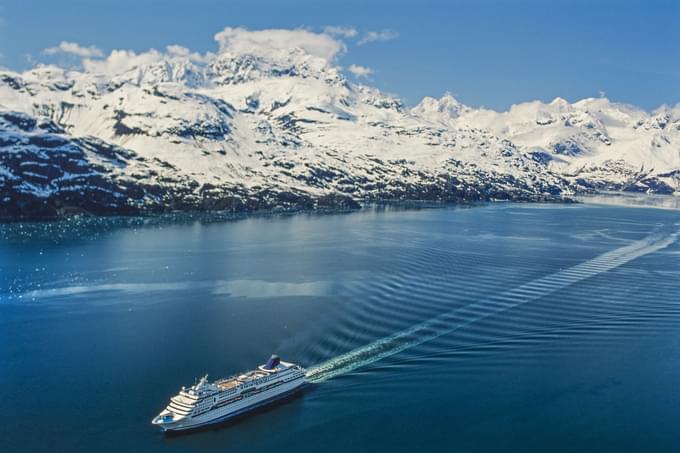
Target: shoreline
[618, 199]
[226, 215]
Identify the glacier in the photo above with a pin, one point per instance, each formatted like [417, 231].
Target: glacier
[284, 129]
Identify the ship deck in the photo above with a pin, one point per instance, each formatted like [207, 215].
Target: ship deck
[228, 383]
[235, 381]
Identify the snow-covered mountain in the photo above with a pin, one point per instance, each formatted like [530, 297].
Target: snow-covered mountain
[284, 129]
[594, 143]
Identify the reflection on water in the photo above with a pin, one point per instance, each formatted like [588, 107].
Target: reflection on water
[633, 199]
[524, 326]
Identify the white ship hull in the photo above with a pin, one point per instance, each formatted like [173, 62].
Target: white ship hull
[207, 403]
[237, 408]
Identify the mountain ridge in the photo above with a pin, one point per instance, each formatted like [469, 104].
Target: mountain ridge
[285, 129]
[593, 142]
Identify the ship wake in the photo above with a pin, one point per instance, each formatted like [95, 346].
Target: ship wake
[453, 320]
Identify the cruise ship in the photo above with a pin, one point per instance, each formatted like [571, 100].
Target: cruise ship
[211, 402]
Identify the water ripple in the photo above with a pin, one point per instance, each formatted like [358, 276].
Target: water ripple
[474, 312]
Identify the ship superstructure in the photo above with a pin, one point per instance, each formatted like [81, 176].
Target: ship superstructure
[210, 402]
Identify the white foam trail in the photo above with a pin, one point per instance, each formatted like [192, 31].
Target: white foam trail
[455, 319]
[233, 288]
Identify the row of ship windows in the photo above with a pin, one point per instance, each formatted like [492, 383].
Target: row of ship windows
[179, 410]
[249, 385]
[263, 389]
[240, 397]
[182, 405]
[202, 402]
[205, 408]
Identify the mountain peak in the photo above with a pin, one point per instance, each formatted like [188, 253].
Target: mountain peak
[559, 102]
[446, 107]
[167, 70]
[231, 68]
[274, 42]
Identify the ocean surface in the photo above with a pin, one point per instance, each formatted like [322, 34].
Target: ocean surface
[498, 327]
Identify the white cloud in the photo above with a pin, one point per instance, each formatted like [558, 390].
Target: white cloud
[178, 51]
[360, 71]
[120, 61]
[235, 40]
[345, 32]
[243, 41]
[74, 49]
[382, 35]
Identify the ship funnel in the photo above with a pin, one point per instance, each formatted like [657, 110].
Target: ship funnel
[273, 362]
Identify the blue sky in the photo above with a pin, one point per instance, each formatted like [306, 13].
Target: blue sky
[490, 53]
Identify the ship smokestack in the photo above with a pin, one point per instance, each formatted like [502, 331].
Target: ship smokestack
[273, 362]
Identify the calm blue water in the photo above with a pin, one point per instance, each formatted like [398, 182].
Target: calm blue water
[514, 348]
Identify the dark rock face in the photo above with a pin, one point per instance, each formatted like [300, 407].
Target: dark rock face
[542, 157]
[649, 185]
[19, 120]
[616, 175]
[567, 148]
[46, 173]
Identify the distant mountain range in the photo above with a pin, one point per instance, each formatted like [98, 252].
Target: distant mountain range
[593, 143]
[284, 130]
